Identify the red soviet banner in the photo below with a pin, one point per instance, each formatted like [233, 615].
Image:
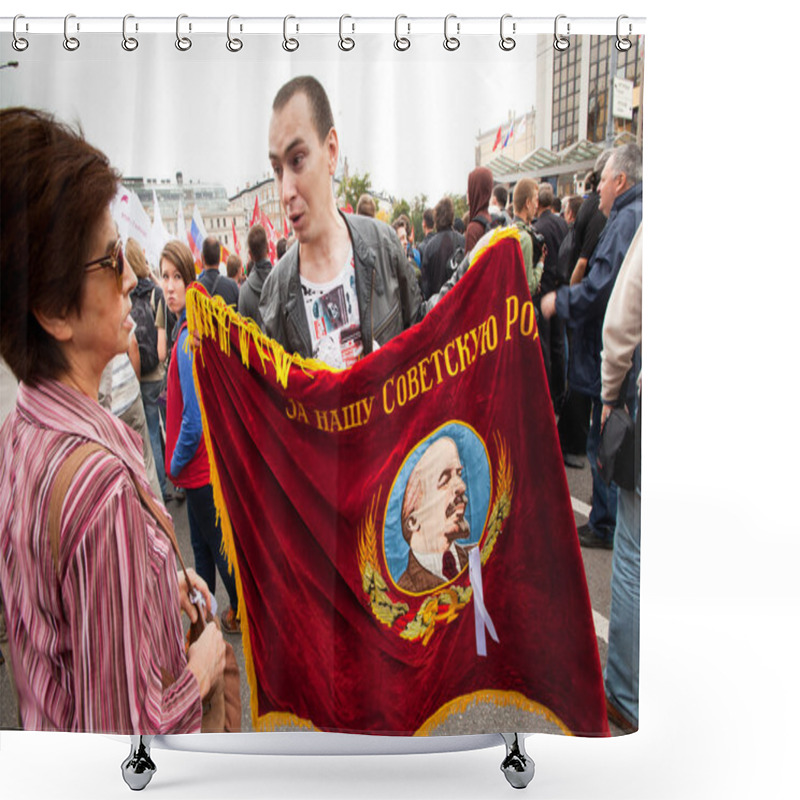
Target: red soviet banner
[390, 522]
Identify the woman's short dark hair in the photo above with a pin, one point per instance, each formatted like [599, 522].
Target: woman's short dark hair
[54, 188]
[179, 254]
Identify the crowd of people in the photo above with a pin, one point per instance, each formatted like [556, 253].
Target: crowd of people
[66, 333]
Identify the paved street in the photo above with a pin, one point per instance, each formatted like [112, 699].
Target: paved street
[598, 573]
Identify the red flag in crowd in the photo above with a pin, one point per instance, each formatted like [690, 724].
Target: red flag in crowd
[236, 239]
[272, 237]
[497, 138]
[286, 232]
[320, 495]
[256, 218]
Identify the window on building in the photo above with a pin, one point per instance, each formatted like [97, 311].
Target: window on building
[566, 95]
[628, 65]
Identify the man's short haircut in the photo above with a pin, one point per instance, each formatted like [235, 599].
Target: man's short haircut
[179, 255]
[365, 206]
[211, 252]
[523, 191]
[55, 189]
[500, 194]
[135, 256]
[429, 217]
[257, 242]
[321, 114]
[628, 160]
[281, 247]
[557, 205]
[458, 225]
[233, 265]
[545, 196]
[593, 178]
[444, 213]
[399, 223]
[574, 203]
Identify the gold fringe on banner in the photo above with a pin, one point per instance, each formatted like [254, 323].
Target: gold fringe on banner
[498, 698]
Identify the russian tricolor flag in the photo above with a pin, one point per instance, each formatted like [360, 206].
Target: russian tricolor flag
[197, 232]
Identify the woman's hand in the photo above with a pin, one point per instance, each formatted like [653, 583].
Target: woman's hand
[197, 583]
[207, 658]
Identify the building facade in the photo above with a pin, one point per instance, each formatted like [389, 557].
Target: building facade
[588, 97]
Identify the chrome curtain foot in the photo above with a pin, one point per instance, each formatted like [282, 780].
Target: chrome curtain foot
[138, 768]
[518, 766]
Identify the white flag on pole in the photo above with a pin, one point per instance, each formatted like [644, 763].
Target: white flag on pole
[158, 237]
[130, 216]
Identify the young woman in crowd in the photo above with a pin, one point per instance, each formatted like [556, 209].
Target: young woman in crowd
[187, 458]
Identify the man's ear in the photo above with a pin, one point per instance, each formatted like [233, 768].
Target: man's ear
[412, 523]
[57, 325]
[332, 145]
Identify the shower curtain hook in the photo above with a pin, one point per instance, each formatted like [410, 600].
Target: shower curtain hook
[129, 43]
[506, 42]
[19, 43]
[451, 42]
[234, 45]
[401, 43]
[289, 44]
[183, 43]
[346, 43]
[623, 43]
[71, 43]
[561, 42]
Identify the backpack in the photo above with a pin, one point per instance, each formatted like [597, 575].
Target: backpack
[146, 332]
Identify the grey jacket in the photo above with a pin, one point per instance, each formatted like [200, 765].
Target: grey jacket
[250, 290]
[389, 299]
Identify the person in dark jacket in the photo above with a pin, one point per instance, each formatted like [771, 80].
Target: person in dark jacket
[214, 282]
[250, 290]
[346, 283]
[439, 249]
[583, 307]
[479, 193]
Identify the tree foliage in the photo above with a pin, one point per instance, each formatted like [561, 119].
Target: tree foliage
[351, 188]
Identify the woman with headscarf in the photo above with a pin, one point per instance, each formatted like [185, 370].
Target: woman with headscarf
[479, 193]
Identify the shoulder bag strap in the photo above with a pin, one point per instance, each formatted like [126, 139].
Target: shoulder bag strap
[61, 484]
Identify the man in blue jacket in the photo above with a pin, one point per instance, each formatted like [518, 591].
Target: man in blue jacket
[583, 307]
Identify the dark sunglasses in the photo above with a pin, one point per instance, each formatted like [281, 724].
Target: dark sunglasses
[113, 260]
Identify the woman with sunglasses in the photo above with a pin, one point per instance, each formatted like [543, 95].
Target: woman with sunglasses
[186, 456]
[92, 600]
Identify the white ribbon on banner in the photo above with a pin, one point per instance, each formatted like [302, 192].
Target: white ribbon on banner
[483, 622]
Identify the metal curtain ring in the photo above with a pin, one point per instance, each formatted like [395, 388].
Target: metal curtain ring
[19, 43]
[623, 43]
[289, 44]
[561, 42]
[234, 45]
[401, 43]
[506, 42]
[183, 43]
[70, 42]
[129, 43]
[346, 43]
[451, 42]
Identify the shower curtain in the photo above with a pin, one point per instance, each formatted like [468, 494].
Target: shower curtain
[311, 467]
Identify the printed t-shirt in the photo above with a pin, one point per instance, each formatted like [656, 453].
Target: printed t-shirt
[333, 317]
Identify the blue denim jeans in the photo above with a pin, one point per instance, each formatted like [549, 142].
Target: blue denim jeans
[150, 392]
[622, 665]
[603, 516]
[206, 536]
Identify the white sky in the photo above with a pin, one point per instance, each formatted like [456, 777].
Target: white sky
[409, 119]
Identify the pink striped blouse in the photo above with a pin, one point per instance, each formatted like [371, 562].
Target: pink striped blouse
[89, 642]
